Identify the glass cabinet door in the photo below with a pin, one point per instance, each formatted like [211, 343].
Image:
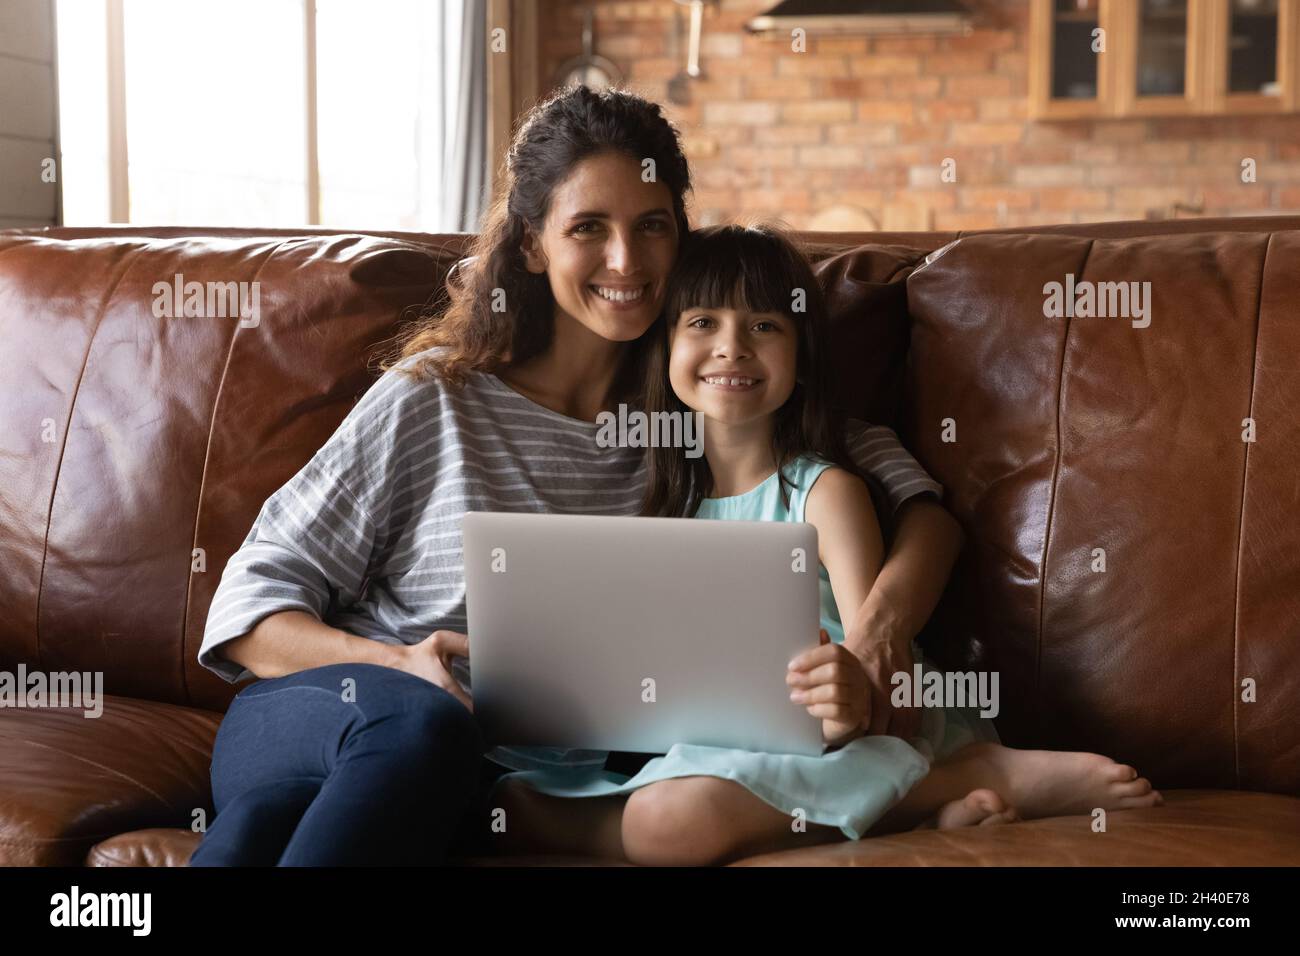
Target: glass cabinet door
[1069, 78]
[1160, 69]
[1253, 52]
[1252, 47]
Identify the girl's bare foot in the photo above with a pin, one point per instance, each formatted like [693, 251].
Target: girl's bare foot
[1048, 783]
[980, 808]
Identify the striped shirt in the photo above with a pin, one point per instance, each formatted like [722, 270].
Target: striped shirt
[367, 535]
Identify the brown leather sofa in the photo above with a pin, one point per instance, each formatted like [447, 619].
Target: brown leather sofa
[135, 452]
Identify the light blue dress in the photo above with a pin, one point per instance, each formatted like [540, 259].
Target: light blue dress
[850, 788]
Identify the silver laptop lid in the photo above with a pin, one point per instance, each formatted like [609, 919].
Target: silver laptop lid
[631, 633]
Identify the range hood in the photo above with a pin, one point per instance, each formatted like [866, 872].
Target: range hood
[863, 17]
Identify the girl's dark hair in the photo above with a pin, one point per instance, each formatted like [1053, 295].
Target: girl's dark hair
[753, 268]
[552, 138]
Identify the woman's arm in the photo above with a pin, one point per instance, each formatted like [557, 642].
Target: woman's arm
[925, 541]
[890, 602]
[905, 593]
[290, 641]
[312, 546]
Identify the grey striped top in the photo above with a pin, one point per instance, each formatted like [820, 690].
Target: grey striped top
[367, 538]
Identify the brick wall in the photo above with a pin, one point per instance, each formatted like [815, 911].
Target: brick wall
[866, 122]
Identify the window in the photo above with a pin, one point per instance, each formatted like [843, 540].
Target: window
[276, 113]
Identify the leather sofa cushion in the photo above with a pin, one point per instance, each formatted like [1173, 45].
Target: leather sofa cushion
[1193, 828]
[156, 846]
[866, 296]
[173, 847]
[68, 781]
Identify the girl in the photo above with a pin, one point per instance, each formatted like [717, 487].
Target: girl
[745, 346]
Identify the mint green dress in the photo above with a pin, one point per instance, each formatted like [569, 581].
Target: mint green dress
[850, 788]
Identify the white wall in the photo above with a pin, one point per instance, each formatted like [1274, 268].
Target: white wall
[28, 113]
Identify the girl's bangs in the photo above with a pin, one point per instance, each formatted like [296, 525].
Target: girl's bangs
[748, 272]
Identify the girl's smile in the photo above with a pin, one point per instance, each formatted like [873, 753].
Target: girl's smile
[730, 381]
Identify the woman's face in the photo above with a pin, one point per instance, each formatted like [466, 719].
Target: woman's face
[734, 366]
[607, 248]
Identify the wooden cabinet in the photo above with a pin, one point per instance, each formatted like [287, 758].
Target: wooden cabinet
[1115, 58]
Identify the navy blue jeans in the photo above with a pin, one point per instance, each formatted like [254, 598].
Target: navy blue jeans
[302, 776]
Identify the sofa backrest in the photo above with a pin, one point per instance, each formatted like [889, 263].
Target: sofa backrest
[135, 451]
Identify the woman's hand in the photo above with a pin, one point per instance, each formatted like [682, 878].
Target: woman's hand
[431, 659]
[830, 681]
[880, 661]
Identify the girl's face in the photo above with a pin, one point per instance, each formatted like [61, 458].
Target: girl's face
[607, 231]
[710, 349]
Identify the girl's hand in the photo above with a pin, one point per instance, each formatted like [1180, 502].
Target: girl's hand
[431, 659]
[830, 681]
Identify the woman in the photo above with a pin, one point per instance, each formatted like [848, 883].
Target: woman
[357, 745]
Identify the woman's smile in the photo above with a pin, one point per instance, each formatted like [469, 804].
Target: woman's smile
[621, 298]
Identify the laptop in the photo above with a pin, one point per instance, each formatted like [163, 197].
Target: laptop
[634, 634]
